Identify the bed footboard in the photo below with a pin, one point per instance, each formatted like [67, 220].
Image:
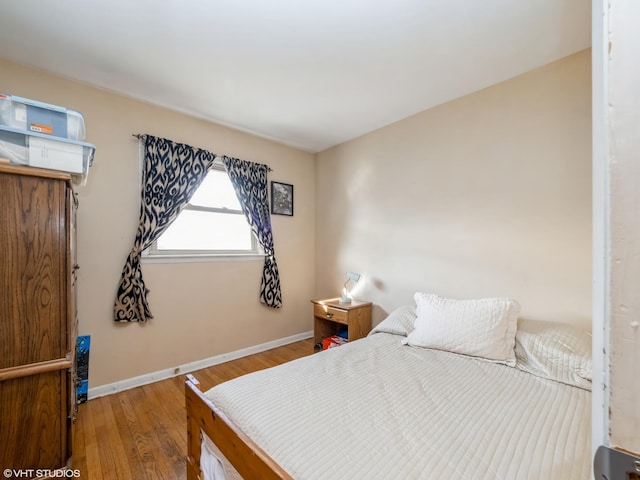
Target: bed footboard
[248, 459]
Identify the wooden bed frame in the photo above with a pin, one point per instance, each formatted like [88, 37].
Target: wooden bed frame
[248, 458]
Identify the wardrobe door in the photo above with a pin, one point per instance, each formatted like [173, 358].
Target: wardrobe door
[33, 249]
[35, 363]
[34, 421]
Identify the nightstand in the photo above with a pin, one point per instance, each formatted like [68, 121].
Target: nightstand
[329, 315]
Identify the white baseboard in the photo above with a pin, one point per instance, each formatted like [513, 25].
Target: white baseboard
[129, 383]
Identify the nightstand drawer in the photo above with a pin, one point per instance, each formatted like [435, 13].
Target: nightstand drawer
[330, 313]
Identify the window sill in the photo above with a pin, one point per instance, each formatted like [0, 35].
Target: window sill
[203, 258]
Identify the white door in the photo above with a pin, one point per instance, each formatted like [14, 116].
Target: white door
[616, 225]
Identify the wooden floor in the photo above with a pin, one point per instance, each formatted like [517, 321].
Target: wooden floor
[142, 433]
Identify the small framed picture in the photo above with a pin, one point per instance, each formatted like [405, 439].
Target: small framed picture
[281, 198]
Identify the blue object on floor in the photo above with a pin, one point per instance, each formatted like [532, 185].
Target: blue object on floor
[82, 367]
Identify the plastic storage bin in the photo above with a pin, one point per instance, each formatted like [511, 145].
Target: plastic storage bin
[13, 146]
[32, 116]
[44, 151]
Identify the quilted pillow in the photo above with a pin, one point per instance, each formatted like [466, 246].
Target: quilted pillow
[554, 350]
[399, 322]
[483, 328]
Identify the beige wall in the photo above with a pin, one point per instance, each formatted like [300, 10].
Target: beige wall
[487, 195]
[201, 310]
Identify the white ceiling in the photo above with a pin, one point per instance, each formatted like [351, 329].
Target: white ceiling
[307, 73]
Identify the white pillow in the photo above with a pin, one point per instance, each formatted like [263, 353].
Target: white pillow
[399, 322]
[554, 350]
[483, 328]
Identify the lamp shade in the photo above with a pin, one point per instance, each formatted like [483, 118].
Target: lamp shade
[353, 276]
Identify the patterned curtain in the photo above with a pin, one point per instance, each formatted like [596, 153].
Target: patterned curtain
[250, 183]
[171, 174]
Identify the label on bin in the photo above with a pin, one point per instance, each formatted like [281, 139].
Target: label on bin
[39, 128]
[20, 115]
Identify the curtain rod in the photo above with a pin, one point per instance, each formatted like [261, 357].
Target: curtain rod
[141, 136]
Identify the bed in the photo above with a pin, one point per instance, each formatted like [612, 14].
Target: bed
[390, 407]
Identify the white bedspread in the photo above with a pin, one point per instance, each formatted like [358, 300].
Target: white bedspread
[374, 409]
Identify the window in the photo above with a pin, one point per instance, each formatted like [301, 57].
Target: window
[212, 223]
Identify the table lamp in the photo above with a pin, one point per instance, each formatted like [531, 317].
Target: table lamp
[351, 276]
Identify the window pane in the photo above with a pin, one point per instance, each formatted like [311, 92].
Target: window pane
[194, 230]
[216, 190]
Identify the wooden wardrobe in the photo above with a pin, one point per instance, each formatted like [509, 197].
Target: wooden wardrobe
[37, 318]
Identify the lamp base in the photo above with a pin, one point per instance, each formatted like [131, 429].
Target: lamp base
[344, 299]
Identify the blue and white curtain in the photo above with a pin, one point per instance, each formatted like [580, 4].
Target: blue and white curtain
[250, 183]
[171, 174]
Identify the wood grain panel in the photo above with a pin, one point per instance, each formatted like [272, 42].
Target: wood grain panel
[36, 343]
[33, 260]
[33, 400]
